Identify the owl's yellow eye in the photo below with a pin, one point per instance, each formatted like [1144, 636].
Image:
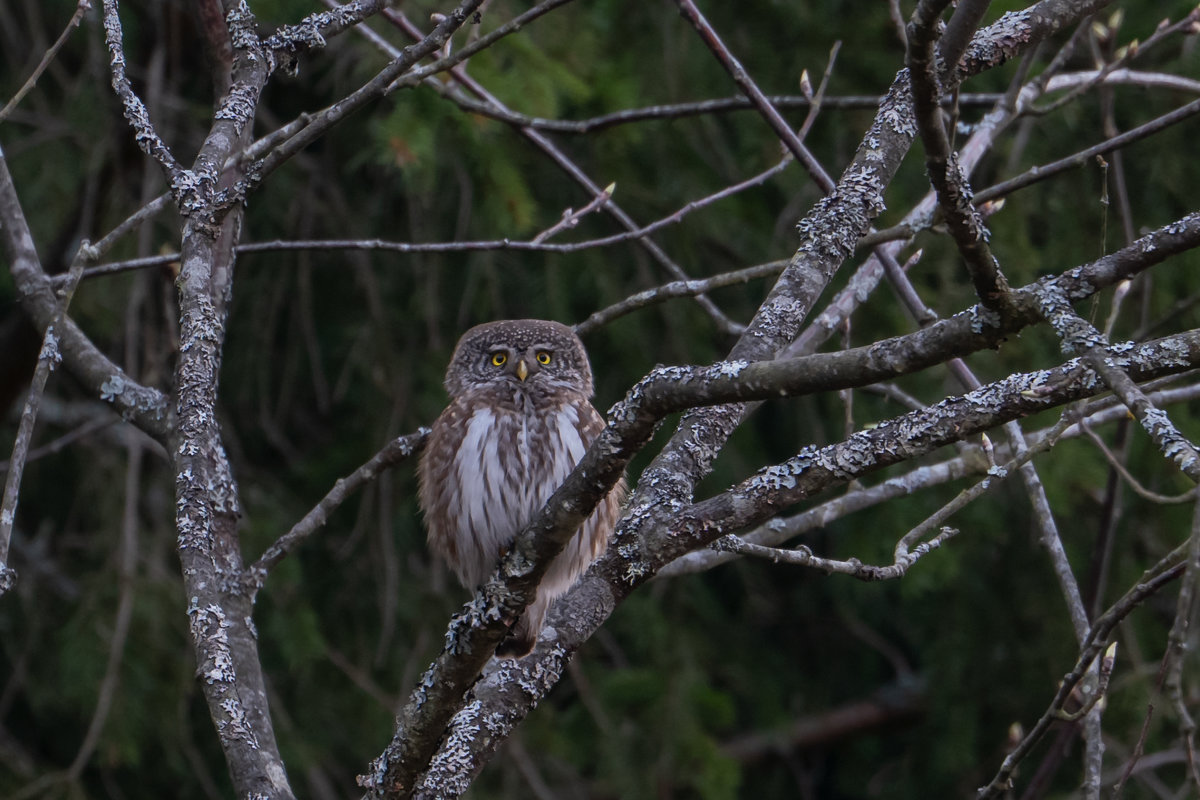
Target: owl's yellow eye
[543, 357]
[498, 359]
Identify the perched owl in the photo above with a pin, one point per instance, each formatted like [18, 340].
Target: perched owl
[519, 420]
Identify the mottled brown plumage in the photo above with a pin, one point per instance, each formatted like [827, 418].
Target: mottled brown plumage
[519, 420]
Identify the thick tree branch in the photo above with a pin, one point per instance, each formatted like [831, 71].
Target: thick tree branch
[623, 568]
[1079, 336]
[475, 633]
[145, 407]
[953, 190]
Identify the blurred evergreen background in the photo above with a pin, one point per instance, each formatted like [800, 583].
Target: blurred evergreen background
[331, 353]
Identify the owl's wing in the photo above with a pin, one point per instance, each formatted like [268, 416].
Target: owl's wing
[436, 479]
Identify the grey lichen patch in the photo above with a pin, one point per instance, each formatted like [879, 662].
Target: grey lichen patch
[194, 529]
[210, 632]
[635, 571]
[113, 387]
[1172, 352]
[996, 43]
[308, 32]
[832, 228]
[220, 486]
[193, 191]
[235, 725]
[698, 447]
[479, 612]
[784, 476]
[427, 682]
[239, 105]
[1180, 226]
[856, 457]
[241, 26]
[539, 677]
[896, 115]
[730, 369]
[1039, 385]
[983, 318]
[867, 186]
[51, 354]
[451, 769]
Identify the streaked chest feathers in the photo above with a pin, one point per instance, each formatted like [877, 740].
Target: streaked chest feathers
[509, 463]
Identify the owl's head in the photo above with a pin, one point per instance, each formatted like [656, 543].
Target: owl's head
[534, 354]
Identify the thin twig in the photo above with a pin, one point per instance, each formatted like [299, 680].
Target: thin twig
[1125, 55]
[668, 291]
[537, 244]
[1177, 648]
[1158, 576]
[394, 452]
[671, 111]
[1128, 477]
[561, 159]
[80, 9]
[741, 77]
[571, 217]
[48, 359]
[1045, 171]
[127, 559]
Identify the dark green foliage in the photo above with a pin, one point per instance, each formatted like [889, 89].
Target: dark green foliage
[331, 353]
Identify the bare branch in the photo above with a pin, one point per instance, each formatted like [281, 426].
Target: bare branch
[1079, 336]
[1079, 159]
[147, 407]
[1152, 580]
[742, 78]
[670, 111]
[81, 7]
[953, 190]
[669, 291]
[393, 453]
[1128, 477]
[1177, 647]
[573, 170]
[48, 359]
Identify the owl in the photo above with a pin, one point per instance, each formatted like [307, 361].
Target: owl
[520, 418]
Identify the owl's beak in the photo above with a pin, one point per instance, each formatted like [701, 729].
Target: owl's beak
[522, 369]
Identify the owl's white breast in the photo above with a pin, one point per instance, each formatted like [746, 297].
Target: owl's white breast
[504, 478]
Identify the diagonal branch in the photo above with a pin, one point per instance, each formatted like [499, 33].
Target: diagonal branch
[953, 191]
[183, 184]
[1079, 336]
[48, 359]
[758, 99]
[1158, 576]
[145, 407]
[393, 453]
[623, 567]
[561, 159]
[82, 7]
